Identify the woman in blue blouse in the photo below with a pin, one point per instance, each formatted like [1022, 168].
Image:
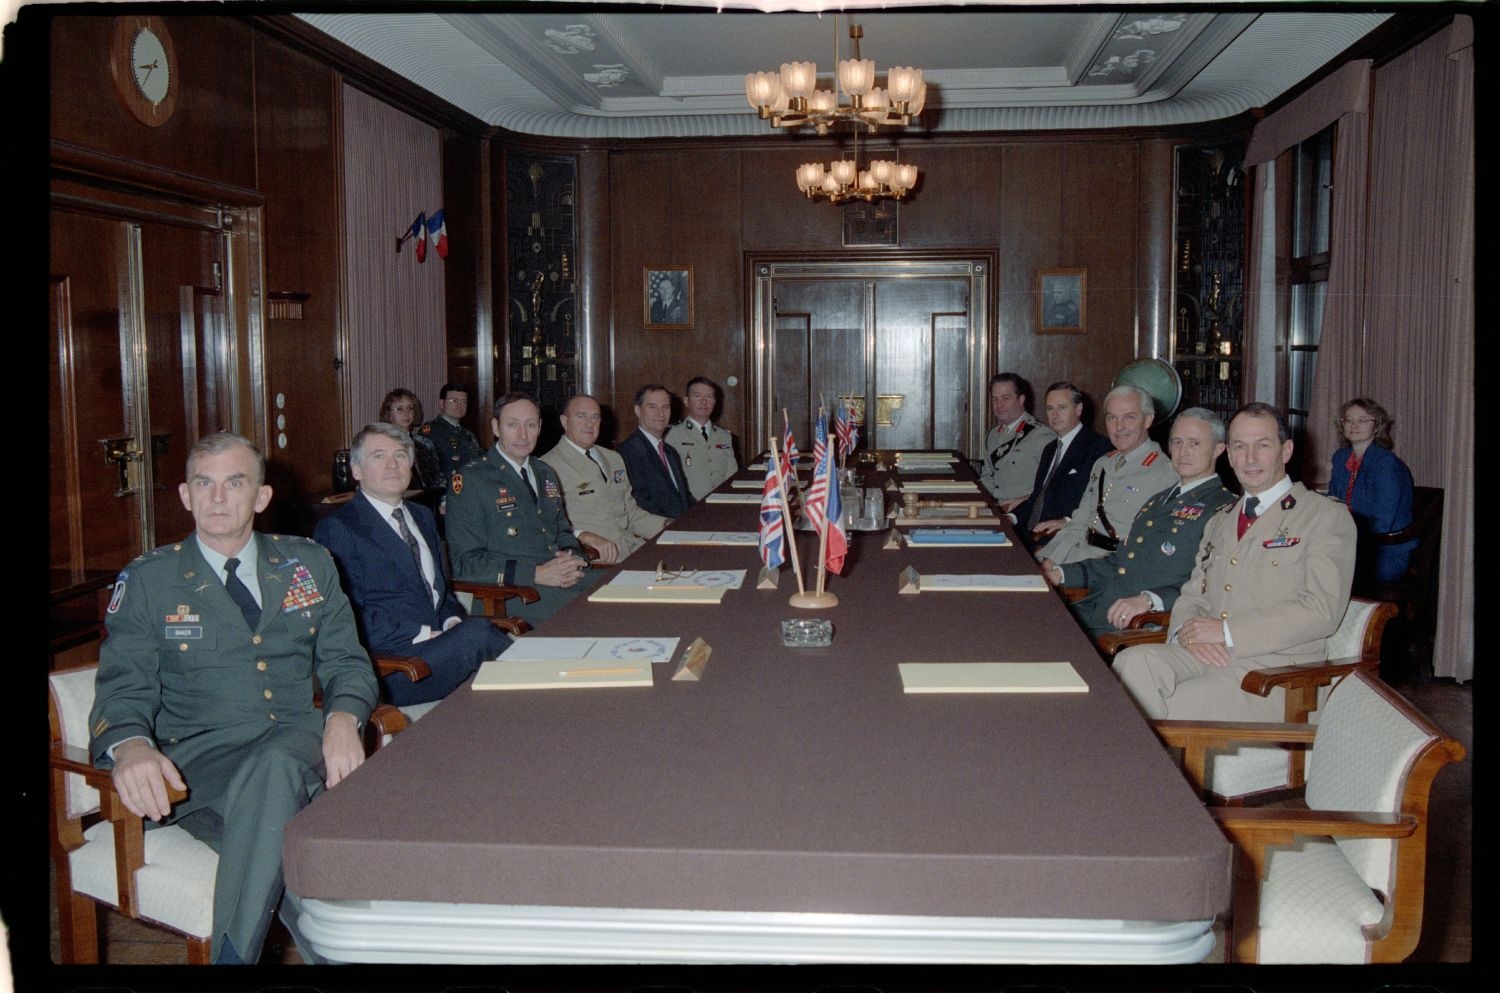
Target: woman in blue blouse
[1375, 484]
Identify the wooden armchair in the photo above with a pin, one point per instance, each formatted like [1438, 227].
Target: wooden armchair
[102, 852]
[492, 596]
[1341, 879]
[1248, 770]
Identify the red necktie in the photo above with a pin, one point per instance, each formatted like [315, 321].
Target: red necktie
[1247, 516]
[1353, 466]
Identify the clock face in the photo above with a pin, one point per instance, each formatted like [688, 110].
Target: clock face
[149, 65]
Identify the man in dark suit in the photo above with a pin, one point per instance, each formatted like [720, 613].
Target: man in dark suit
[206, 680]
[1063, 472]
[655, 467]
[506, 522]
[391, 564]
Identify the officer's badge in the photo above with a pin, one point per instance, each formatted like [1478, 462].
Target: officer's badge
[550, 488]
[619, 476]
[1167, 548]
[1280, 540]
[1288, 502]
[1189, 513]
[303, 591]
[457, 485]
[118, 597]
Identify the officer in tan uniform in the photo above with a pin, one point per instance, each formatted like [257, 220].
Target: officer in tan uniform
[1013, 448]
[707, 450]
[1120, 482]
[596, 488]
[1271, 583]
[506, 522]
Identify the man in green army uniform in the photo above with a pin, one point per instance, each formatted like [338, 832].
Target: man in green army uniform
[455, 444]
[506, 522]
[206, 683]
[1148, 569]
[707, 449]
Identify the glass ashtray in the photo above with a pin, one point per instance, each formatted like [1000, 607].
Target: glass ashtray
[807, 632]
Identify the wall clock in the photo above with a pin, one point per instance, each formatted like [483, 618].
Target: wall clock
[144, 66]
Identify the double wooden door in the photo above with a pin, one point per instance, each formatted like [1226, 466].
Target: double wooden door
[903, 342]
[140, 365]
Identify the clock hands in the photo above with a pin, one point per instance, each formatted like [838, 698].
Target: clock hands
[150, 67]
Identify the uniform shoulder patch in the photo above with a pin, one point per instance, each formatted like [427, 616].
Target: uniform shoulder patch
[457, 483]
[1288, 502]
[427, 429]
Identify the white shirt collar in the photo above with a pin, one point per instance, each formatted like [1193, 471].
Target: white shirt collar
[1067, 439]
[1196, 483]
[1270, 496]
[1012, 425]
[381, 507]
[581, 451]
[649, 436]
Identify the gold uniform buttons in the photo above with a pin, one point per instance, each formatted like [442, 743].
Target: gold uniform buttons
[1223, 615]
[1228, 587]
[255, 640]
[313, 629]
[182, 647]
[1122, 570]
[271, 716]
[1234, 561]
[267, 694]
[261, 665]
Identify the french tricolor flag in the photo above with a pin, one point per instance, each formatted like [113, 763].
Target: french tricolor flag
[437, 229]
[418, 233]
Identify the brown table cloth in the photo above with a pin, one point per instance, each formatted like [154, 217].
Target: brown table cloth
[787, 779]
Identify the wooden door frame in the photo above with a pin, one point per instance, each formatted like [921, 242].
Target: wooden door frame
[978, 265]
[238, 225]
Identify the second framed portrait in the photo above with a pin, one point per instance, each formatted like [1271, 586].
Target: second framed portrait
[1061, 301]
[667, 296]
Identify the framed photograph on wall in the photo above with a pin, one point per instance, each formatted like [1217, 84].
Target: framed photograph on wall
[667, 296]
[1061, 301]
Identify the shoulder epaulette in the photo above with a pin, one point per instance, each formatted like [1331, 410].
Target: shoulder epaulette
[1150, 458]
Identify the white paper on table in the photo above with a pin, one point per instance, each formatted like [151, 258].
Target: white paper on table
[708, 538]
[534, 649]
[990, 677]
[733, 497]
[982, 583]
[747, 484]
[924, 457]
[939, 486]
[729, 579]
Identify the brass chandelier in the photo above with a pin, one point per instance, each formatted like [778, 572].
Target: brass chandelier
[789, 99]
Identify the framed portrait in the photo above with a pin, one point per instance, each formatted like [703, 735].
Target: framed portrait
[667, 296]
[1061, 301]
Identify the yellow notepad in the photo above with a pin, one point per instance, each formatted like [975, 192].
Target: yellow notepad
[991, 677]
[561, 674]
[615, 593]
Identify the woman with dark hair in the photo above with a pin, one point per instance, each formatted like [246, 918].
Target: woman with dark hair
[1375, 484]
[402, 408]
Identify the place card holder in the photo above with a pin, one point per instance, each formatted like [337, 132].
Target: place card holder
[690, 669]
[909, 581]
[769, 578]
[893, 538]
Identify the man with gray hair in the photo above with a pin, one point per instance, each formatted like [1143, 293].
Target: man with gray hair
[205, 684]
[391, 563]
[1148, 569]
[1120, 482]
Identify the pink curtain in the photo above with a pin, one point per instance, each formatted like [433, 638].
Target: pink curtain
[1420, 297]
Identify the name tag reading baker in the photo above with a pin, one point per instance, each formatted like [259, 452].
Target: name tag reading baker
[570, 663]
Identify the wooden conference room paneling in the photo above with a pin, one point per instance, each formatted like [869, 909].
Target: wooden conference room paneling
[1044, 202]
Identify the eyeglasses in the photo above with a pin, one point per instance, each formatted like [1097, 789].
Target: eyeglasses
[403, 408]
[1357, 422]
[461, 401]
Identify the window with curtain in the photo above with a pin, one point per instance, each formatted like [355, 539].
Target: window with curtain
[1307, 268]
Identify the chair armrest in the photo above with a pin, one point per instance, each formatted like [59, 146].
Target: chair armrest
[1262, 681]
[1198, 738]
[1111, 643]
[1072, 594]
[494, 595]
[410, 666]
[384, 719]
[1158, 617]
[1279, 825]
[71, 758]
[513, 626]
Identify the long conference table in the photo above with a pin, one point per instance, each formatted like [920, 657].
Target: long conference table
[794, 805]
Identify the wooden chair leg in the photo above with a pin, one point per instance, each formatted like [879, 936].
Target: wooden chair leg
[199, 950]
[78, 928]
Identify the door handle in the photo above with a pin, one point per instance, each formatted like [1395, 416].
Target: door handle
[123, 453]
